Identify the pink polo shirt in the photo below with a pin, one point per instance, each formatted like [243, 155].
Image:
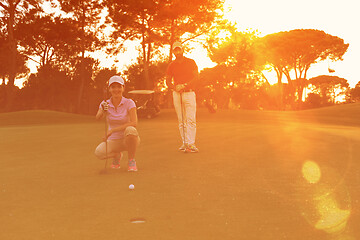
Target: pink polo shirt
[119, 115]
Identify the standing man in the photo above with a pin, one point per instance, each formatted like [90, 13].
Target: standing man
[181, 76]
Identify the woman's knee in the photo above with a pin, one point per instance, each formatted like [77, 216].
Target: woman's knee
[99, 151]
[131, 131]
[131, 136]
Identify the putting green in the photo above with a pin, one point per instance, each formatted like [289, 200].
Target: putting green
[249, 180]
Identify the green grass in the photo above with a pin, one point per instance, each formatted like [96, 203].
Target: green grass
[246, 182]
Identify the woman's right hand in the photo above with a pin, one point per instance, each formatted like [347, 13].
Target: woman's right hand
[104, 106]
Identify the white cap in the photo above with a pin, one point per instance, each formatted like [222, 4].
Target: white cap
[177, 45]
[116, 79]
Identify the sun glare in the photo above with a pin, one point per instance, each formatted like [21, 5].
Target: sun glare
[199, 54]
[280, 15]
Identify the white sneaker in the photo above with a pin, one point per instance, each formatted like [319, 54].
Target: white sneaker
[182, 148]
[191, 148]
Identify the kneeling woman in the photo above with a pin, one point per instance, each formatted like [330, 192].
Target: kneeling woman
[121, 116]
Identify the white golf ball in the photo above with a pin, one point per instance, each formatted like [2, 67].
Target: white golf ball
[131, 186]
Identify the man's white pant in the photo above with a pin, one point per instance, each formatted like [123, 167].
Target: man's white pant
[186, 113]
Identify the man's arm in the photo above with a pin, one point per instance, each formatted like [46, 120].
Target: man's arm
[169, 77]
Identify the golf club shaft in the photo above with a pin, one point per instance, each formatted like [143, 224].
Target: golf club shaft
[106, 129]
[106, 143]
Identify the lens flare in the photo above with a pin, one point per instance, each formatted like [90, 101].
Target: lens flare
[311, 172]
[332, 219]
[328, 207]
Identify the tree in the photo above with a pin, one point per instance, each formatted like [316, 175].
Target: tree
[330, 88]
[86, 70]
[87, 17]
[21, 69]
[247, 95]
[237, 51]
[49, 88]
[186, 22]
[135, 75]
[355, 93]
[237, 54]
[296, 51]
[101, 78]
[156, 23]
[13, 11]
[217, 82]
[4, 54]
[49, 40]
[134, 20]
[314, 100]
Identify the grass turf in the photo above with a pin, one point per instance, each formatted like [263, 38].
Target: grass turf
[246, 182]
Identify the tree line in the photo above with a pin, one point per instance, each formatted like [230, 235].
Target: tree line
[63, 45]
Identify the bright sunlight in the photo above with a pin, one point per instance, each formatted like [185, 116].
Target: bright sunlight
[281, 15]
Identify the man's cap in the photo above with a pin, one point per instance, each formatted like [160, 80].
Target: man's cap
[116, 79]
[177, 45]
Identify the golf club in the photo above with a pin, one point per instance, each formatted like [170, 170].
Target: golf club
[106, 128]
[182, 120]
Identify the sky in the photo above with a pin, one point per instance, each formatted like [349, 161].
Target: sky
[337, 18]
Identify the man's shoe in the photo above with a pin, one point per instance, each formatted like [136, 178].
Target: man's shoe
[132, 166]
[191, 148]
[182, 148]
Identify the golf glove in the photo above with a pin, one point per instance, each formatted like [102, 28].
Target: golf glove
[105, 106]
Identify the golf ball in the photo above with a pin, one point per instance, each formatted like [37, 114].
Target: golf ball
[131, 186]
